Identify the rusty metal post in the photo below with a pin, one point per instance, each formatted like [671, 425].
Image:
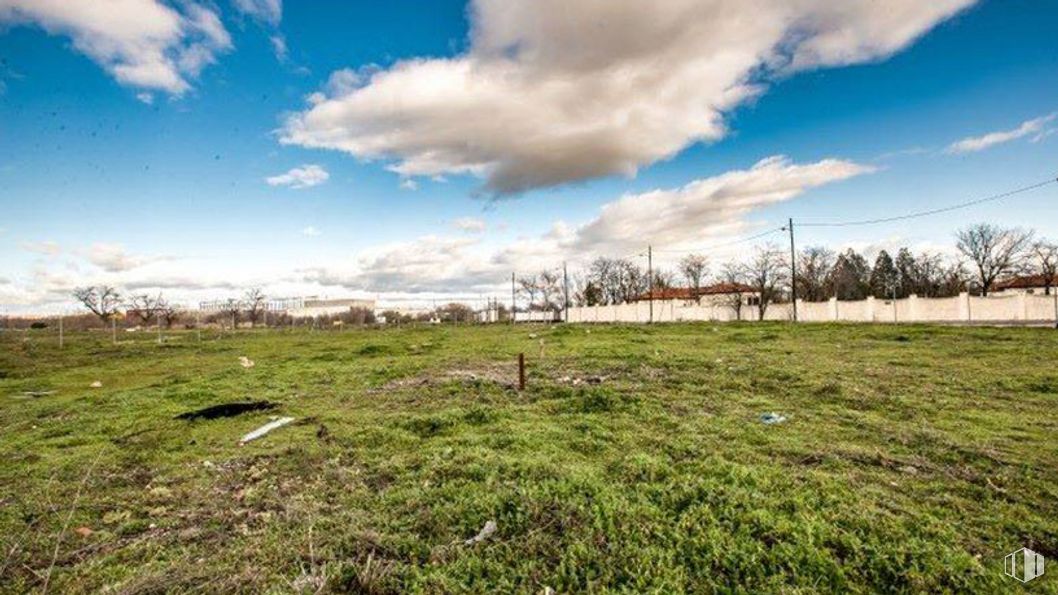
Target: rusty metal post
[521, 371]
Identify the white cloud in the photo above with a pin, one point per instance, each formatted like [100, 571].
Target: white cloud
[979, 143]
[311, 232]
[142, 43]
[268, 11]
[113, 258]
[683, 215]
[552, 91]
[47, 247]
[690, 217]
[305, 176]
[145, 97]
[469, 224]
[409, 184]
[279, 46]
[686, 217]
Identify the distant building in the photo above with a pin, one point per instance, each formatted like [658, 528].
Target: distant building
[1030, 284]
[716, 294]
[298, 307]
[313, 306]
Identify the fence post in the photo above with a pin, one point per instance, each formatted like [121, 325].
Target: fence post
[521, 371]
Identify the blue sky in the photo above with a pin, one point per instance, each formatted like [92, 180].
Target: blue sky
[461, 142]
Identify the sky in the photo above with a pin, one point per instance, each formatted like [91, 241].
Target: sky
[412, 152]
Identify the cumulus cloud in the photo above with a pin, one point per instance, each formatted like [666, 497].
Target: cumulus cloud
[979, 143]
[267, 11]
[114, 258]
[47, 247]
[142, 43]
[469, 224]
[310, 231]
[552, 91]
[692, 216]
[305, 176]
[685, 217]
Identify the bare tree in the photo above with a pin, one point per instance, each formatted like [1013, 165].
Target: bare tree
[994, 251]
[548, 287]
[953, 279]
[617, 280]
[815, 268]
[254, 300]
[1046, 256]
[694, 268]
[766, 272]
[167, 312]
[232, 308]
[528, 285]
[143, 307]
[103, 301]
[732, 276]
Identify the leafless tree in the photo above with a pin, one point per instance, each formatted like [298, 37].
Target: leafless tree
[815, 267]
[1045, 255]
[528, 285]
[617, 280]
[549, 289]
[694, 268]
[167, 312]
[733, 277]
[255, 301]
[766, 272]
[103, 301]
[231, 309]
[993, 251]
[953, 279]
[143, 307]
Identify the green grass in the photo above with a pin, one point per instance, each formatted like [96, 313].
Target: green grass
[914, 458]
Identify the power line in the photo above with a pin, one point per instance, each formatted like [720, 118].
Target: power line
[725, 244]
[931, 211]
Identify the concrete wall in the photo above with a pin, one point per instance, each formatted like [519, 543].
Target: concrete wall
[1000, 308]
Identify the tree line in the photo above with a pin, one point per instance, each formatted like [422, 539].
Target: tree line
[984, 255]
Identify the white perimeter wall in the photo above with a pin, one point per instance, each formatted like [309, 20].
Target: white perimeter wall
[1001, 308]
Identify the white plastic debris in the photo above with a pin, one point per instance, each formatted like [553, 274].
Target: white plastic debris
[772, 418]
[268, 427]
[485, 533]
[96, 384]
[245, 362]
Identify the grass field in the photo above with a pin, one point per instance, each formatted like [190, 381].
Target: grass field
[914, 458]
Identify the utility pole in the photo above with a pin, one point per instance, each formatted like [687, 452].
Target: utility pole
[650, 281]
[512, 298]
[793, 269]
[565, 283]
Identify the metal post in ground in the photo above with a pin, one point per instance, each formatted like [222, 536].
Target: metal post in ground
[650, 281]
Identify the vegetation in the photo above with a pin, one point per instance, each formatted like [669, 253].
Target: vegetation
[913, 459]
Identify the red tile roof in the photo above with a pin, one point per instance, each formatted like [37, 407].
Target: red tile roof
[1026, 282]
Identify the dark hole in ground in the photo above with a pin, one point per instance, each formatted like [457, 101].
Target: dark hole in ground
[227, 410]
